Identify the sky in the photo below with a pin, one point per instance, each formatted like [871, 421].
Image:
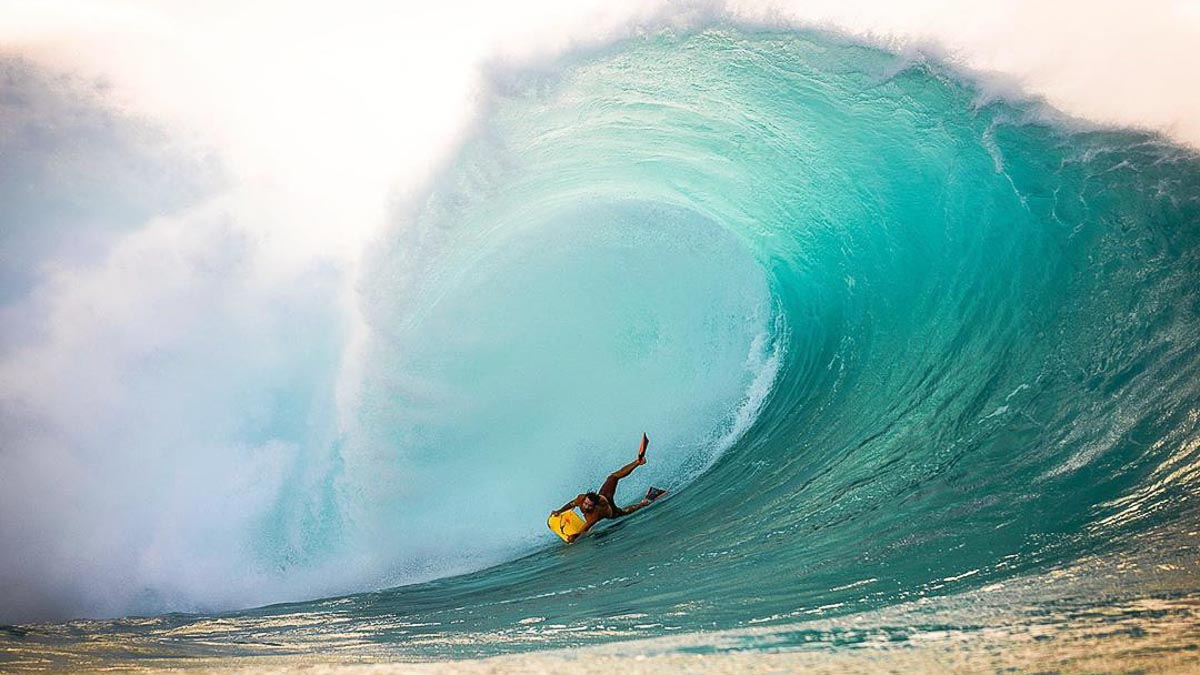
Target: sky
[185, 187]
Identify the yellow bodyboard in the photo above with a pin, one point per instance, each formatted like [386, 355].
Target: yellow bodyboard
[565, 524]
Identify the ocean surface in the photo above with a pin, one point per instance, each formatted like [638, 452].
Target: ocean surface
[893, 337]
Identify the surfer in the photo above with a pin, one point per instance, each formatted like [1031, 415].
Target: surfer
[597, 506]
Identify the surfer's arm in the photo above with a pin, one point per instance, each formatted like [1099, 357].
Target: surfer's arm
[569, 505]
[586, 526]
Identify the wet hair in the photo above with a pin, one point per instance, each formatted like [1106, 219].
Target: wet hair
[592, 496]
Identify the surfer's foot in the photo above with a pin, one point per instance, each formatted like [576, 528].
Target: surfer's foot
[642, 450]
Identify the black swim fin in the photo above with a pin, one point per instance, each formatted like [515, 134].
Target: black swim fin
[654, 493]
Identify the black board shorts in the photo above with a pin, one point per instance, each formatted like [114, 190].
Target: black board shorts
[608, 491]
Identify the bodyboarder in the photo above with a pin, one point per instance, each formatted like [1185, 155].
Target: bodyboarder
[597, 506]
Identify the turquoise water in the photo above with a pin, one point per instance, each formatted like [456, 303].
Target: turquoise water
[891, 338]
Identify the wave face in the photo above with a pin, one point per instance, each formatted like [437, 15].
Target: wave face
[890, 339]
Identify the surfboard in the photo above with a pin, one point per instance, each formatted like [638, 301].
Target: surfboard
[565, 524]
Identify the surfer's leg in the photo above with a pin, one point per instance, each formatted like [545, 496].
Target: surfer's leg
[626, 470]
[610, 484]
[626, 510]
[610, 488]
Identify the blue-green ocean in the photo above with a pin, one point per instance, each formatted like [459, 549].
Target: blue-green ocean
[892, 337]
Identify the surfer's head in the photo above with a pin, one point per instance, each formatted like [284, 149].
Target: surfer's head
[590, 500]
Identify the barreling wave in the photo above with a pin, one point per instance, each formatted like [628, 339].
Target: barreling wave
[891, 338]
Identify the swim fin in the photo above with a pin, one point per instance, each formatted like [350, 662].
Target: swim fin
[654, 493]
